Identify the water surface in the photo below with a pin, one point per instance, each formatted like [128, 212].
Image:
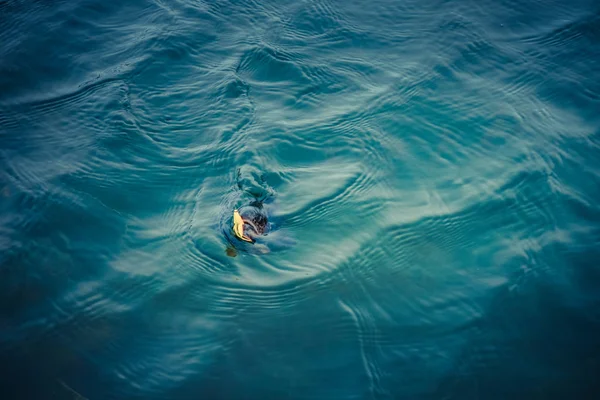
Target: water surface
[433, 165]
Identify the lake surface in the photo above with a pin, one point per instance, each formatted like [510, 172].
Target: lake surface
[432, 175]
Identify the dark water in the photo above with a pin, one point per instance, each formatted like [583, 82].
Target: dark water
[433, 176]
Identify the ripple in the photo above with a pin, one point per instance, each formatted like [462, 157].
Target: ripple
[428, 169]
[264, 64]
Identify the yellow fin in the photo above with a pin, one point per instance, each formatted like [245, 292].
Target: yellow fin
[238, 226]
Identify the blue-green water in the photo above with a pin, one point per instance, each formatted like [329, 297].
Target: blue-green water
[432, 170]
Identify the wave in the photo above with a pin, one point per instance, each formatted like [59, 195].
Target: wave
[434, 164]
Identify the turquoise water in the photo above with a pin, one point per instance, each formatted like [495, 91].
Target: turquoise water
[430, 170]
